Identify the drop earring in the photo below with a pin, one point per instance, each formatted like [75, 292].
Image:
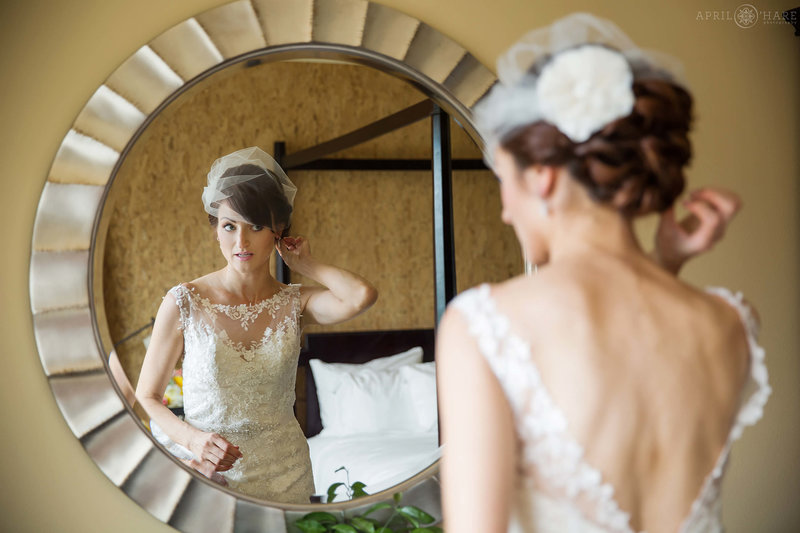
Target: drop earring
[531, 269]
[544, 209]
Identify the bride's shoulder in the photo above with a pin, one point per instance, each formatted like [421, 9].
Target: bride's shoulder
[185, 291]
[516, 297]
[203, 284]
[546, 288]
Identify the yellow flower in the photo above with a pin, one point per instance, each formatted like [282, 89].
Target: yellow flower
[173, 395]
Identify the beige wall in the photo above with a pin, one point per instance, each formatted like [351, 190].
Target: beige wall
[54, 54]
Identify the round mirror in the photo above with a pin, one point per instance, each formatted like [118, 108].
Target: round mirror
[137, 157]
[378, 223]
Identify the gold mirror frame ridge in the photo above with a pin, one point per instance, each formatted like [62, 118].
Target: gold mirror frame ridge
[70, 326]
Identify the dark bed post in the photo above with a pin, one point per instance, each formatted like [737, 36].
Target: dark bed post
[282, 272]
[443, 241]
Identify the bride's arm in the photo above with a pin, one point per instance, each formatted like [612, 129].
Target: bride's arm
[343, 295]
[710, 212]
[477, 430]
[215, 454]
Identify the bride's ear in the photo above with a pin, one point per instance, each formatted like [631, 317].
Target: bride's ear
[540, 180]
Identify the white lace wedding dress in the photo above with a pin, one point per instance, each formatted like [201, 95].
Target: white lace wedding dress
[239, 372]
[557, 490]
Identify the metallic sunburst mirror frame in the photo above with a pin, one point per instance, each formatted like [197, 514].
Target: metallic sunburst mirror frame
[71, 329]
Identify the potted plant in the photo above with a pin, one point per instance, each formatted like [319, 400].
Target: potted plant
[401, 519]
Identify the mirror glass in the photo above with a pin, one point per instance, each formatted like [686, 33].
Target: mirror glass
[375, 223]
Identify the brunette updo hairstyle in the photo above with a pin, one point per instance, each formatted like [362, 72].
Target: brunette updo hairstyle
[259, 201]
[634, 164]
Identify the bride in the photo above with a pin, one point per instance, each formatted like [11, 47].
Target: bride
[238, 330]
[603, 393]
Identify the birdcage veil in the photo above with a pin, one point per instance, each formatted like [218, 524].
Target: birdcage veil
[576, 73]
[218, 188]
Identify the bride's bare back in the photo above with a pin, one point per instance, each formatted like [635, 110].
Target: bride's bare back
[647, 370]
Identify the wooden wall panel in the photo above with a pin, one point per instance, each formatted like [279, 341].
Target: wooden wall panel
[486, 249]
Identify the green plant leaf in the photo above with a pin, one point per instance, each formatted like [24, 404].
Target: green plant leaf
[383, 530]
[397, 521]
[409, 511]
[397, 496]
[310, 526]
[322, 517]
[340, 469]
[343, 528]
[410, 519]
[362, 524]
[358, 490]
[332, 491]
[376, 507]
[431, 529]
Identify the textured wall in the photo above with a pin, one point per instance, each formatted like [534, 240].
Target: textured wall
[378, 224]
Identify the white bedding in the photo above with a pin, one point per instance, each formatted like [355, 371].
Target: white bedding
[379, 460]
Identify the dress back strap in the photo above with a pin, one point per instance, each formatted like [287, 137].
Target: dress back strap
[757, 389]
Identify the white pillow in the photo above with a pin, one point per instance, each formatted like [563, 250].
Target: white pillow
[421, 380]
[374, 396]
[411, 356]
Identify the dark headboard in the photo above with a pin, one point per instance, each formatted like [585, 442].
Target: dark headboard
[354, 348]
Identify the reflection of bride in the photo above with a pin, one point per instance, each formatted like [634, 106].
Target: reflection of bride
[603, 394]
[239, 332]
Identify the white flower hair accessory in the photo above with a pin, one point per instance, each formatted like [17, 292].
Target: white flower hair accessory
[576, 74]
[215, 191]
[581, 90]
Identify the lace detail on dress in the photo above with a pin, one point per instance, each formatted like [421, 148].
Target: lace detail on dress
[247, 352]
[549, 453]
[552, 462]
[758, 390]
[246, 314]
[183, 306]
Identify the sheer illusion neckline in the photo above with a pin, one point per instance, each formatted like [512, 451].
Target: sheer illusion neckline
[496, 338]
[222, 307]
[245, 313]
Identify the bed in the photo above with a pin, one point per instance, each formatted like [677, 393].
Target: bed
[367, 401]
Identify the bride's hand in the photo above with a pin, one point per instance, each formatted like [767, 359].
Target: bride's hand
[207, 470]
[213, 453]
[710, 212]
[295, 252]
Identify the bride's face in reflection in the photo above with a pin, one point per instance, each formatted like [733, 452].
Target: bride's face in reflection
[246, 247]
